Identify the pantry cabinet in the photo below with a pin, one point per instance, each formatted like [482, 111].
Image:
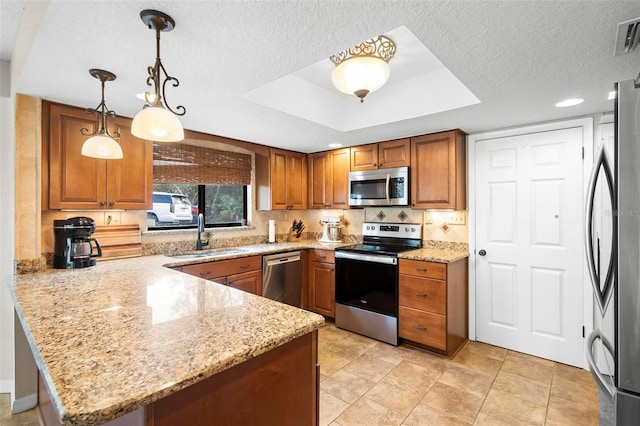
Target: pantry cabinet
[78, 182]
[244, 273]
[382, 155]
[438, 171]
[288, 180]
[329, 179]
[433, 304]
[322, 279]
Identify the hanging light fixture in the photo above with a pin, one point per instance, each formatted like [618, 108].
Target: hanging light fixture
[157, 121]
[102, 143]
[364, 68]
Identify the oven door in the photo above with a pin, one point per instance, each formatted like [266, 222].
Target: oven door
[368, 282]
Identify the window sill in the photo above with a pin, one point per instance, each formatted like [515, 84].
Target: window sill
[192, 231]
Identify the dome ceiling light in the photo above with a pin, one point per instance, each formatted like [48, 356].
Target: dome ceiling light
[157, 121]
[102, 143]
[364, 68]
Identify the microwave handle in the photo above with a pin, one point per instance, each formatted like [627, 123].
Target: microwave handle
[387, 188]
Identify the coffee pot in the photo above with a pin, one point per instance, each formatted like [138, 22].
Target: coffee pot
[73, 245]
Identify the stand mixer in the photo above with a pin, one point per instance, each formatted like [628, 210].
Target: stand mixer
[331, 231]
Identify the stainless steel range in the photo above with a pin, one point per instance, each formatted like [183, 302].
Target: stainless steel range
[367, 279]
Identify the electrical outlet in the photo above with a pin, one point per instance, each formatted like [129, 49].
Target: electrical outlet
[456, 218]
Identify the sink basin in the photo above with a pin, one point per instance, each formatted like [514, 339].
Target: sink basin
[209, 253]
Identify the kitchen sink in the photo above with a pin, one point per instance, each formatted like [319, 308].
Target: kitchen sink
[209, 253]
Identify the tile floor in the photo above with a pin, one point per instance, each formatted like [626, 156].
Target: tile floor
[366, 382]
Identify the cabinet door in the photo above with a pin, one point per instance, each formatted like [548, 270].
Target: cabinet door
[438, 171]
[278, 180]
[396, 153]
[130, 180]
[322, 288]
[339, 189]
[297, 181]
[364, 157]
[75, 181]
[319, 180]
[422, 327]
[251, 282]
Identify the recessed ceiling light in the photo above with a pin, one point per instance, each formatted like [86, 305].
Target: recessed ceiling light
[569, 102]
[335, 145]
[612, 95]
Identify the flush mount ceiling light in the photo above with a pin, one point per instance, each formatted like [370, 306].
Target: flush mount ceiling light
[364, 68]
[157, 121]
[569, 102]
[102, 143]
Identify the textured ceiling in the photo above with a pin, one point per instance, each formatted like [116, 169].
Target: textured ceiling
[517, 58]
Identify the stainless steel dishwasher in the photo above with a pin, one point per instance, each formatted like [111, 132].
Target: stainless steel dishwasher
[282, 277]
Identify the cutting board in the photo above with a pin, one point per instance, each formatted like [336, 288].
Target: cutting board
[119, 241]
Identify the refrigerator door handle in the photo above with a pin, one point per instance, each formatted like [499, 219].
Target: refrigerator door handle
[602, 294]
[606, 386]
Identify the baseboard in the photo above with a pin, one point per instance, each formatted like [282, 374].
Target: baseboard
[6, 386]
[24, 403]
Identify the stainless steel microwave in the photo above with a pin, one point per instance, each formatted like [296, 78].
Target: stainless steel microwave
[382, 187]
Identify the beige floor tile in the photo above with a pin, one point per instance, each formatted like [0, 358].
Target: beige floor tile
[478, 363]
[511, 409]
[467, 380]
[528, 367]
[522, 387]
[330, 362]
[368, 367]
[564, 412]
[574, 374]
[424, 415]
[363, 340]
[527, 357]
[417, 376]
[330, 408]
[26, 418]
[369, 413]
[448, 399]
[487, 350]
[330, 333]
[348, 348]
[486, 420]
[391, 354]
[395, 395]
[346, 386]
[575, 391]
[428, 359]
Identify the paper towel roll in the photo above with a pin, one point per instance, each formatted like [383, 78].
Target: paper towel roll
[272, 231]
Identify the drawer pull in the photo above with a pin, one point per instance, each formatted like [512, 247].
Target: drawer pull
[421, 327]
[322, 257]
[421, 269]
[244, 266]
[421, 294]
[205, 273]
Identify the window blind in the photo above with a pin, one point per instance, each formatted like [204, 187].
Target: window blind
[181, 163]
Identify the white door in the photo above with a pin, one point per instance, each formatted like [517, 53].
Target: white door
[529, 288]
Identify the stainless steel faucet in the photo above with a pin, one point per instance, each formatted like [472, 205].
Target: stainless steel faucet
[200, 243]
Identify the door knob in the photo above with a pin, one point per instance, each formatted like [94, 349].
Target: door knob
[482, 253]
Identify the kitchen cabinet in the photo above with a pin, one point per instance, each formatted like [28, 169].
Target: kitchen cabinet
[244, 273]
[329, 179]
[433, 304]
[438, 171]
[288, 180]
[78, 182]
[382, 155]
[322, 279]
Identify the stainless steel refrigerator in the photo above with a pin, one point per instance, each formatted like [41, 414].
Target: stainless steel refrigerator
[613, 260]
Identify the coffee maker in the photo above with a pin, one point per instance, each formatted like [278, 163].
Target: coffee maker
[73, 246]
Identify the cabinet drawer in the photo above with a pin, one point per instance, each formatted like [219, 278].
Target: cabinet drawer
[324, 256]
[421, 268]
[221, 268]
[423, 327]
[423, 293]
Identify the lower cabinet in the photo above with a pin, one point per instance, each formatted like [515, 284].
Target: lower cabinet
[244, 273]
[433, 302]
[322, 279]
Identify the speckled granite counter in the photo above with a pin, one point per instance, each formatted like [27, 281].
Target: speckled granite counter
[115, 337]
[434, 255]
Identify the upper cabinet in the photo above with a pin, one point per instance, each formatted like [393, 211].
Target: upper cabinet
[328, 179]
[383, 155]
[288, 180]
[78, 182]
[438, 171]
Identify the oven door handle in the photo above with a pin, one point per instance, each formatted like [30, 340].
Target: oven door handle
[387, 189]
[389, 260]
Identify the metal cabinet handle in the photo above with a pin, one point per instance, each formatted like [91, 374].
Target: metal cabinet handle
[421, 269]
[421, 327]
[205, 273]
[103, 203]
[421, 294]
[244, 266]
[322, 257]
[111, 203]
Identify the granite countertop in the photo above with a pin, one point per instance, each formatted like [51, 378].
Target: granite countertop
[124, 333]
[434, 255]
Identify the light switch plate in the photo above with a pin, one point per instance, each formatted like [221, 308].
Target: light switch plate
[428, 220]
[456, 218]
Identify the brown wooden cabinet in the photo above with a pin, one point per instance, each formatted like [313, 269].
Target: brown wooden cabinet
[382, 155]
[433, 304]
[244, 273]
[329, 179]
[288, 180]
[78, 182]
[438, 171]
[322, 278]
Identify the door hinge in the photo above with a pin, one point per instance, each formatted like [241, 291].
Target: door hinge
[583, 331]
[583, 152]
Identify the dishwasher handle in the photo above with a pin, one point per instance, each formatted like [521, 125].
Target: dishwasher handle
[271, 261]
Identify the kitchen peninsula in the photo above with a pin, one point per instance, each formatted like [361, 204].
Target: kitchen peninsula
[133, 338]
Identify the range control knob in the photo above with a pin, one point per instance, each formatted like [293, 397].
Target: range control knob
[413, 229]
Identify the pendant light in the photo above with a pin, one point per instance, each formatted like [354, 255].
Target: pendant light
[157, 121]
[364, 68]
[102, 143]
